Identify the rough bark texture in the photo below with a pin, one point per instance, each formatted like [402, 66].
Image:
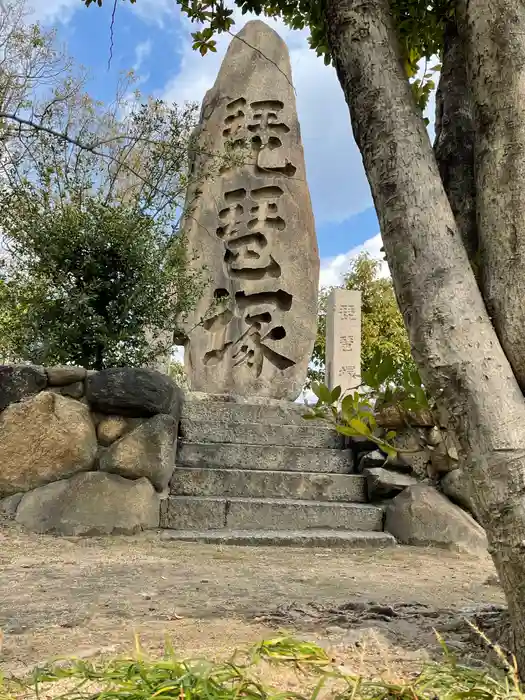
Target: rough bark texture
[454, 143]
[452, 337]
[495, 31]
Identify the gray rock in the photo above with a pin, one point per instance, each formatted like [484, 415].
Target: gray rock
[416, 458]
[9, 505]
[252, 229]
[148, 451]
[42, 439]
[382, 483]
[369, 460]
[455, 486]
[74, 391]
[444, 457]
[64, 375]
[133, 392]
[110, 429]
[434, 436]
[91, 503]
[420, 515]
[19, 381]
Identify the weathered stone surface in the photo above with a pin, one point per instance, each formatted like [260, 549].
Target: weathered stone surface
[42, 439]
[423, 516]
[208, 513]
[443, 458]
[370, 460]
[454, 485]
[264, 457]
[9, 505]
[249, 483]
[309, 434]
[433, 436]
[19, 381]
[284, 538]
[91, 503]
[110, 429]
[133, 392]
[382, 483]
[64, 375]
[148, 451]
[240, 409]
[414, 455]
[74, 391]
[396, 418]
[252, 229]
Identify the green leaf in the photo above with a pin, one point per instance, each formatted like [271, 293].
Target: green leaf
[360, 427]
[325, 394]
[336, 393]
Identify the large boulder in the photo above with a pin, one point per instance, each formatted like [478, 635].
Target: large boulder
[42, 439]
[455, 486]
[133, 392]
[19, 381]
[420, 515]
[91, 503]
[148, 451]
[9, 505]
[382, 483]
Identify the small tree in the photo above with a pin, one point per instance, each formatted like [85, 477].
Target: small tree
[86, 285]
[382, 326]
[95, 269]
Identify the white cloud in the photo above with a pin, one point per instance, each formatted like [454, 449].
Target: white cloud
[52, 11]
[142, 51]
[332, 157]
[333, 269]
[155, 12]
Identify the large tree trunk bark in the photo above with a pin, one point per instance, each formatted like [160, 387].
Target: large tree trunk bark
[453, 340]
[454, 143]
[495, 32]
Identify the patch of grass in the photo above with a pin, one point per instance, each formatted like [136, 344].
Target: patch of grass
[171, 678]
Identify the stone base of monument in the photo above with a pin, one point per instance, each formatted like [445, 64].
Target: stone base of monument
[256, 473]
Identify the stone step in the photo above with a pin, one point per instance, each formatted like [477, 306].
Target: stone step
[273, 412]
[350, 488]
[307, 435]
[291, 538]
[302, 459]
[211, 513]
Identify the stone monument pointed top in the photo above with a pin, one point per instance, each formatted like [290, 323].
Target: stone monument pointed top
[258, 51]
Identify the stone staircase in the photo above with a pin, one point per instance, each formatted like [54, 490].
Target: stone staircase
[261, 474]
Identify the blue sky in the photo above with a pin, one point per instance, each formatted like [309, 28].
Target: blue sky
[152, 38]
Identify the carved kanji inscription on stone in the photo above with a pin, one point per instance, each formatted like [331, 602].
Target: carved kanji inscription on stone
[252, 229]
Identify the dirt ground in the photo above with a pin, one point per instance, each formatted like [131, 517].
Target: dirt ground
[377, 610]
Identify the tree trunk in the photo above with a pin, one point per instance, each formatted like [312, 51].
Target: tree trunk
[453, 340]
[454, 143]
[495, 32]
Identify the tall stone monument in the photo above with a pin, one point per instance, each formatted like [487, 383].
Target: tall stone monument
[343, 339]
[250, 225]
